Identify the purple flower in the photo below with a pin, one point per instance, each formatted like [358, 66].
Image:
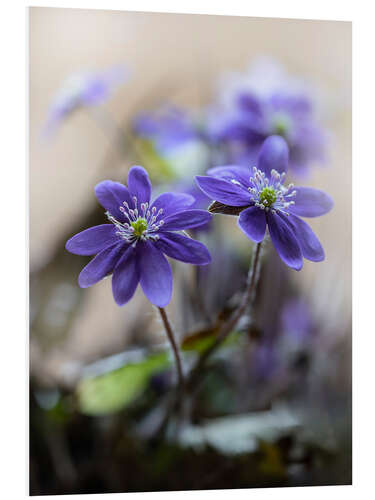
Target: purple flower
[169, 127]
[265, 361]
[178, 140]
[267, 102]
[177, 137]
[266, 201]
[80, 90]
[296, 320]
[140, 232]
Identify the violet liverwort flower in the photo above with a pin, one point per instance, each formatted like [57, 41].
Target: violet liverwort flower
[140, 232]
[80, 90]
[297, 320]
[266, 101]
[266, 201]
[168, 126]
[177, 137]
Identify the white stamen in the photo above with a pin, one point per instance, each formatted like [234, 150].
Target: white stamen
[259, 181]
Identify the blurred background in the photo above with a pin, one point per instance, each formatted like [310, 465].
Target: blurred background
[276, 406]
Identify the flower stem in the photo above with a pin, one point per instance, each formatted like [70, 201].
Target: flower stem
[247, 300]
[176, 402]
[171, 338]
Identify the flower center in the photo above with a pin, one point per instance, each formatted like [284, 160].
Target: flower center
[281, 124]
[269, 193]
[139, 226]
[267, 196]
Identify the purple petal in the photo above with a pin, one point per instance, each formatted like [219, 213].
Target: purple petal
[250, 104]
[309, 243]
[296, 319]
[169, 127]
[99, 85]
[252, 221]
[101, 265]
[111, 196]
[172, 202]
[285, 242]
[298, 105]
[186, 219]
[180, 247]
[245, 157]
[92, 240]
[230, 172]
[273, 155]
[125, 277]
[224, 191]
[139, 184]
[156, 274]
[310, 202]
[95, 91]
[265, 361]
[243, 130]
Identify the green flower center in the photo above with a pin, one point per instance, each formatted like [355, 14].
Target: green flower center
[139, 226]
[267, 196]
[281, 124]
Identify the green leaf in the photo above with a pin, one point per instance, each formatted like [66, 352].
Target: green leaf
[203, 339]
[115, 390]
[199, 340]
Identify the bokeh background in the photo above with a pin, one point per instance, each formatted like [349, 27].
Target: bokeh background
[179, 59]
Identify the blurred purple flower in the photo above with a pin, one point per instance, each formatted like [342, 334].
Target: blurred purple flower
[178, 137]
[168, 127]
[265, 361]
[201, 202]
[172, 130]
[267, 202]
[133, 245]
[80, 90]
[265, 102]
[296, 319]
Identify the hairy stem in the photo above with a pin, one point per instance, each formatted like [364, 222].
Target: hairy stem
[171, 338]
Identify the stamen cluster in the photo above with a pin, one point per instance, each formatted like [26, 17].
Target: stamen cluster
[142, 224]
[269, 193]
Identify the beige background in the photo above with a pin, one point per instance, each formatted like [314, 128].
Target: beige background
[178, 57]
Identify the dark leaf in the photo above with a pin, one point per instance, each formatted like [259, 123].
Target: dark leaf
[219, 208]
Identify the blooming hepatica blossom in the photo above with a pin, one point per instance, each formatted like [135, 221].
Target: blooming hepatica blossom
[82, 89]
[140, 232]
[254, 112]
[168, 126]
[177, 137]
[264, 200]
